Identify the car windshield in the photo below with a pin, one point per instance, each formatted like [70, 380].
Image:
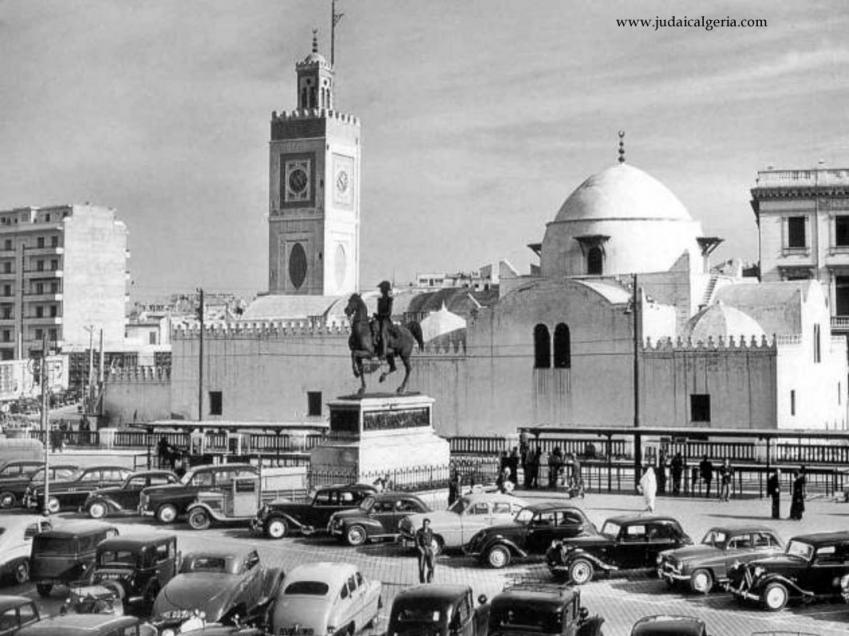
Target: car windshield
[53, 545]
[716, 538]
[800, 549]
[366, 504]
[312, 588]
[458, 506]
[419, 615]
[610, 528]
[185, 479]
[116, 557]
[524, 515]
[204, 564]
[64, 474]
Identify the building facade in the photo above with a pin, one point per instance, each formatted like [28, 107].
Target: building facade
[63, 270]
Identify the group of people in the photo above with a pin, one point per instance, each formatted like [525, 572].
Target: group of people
[798, 493]
[675, 469]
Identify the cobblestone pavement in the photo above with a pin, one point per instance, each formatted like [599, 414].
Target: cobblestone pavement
[621, 601]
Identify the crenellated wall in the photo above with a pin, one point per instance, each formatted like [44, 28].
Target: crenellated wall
[137, 394]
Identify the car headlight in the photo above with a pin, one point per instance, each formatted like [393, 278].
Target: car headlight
[168, 632]
[659, 559]
[844, 583]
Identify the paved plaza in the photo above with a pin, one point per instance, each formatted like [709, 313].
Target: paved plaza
[621, 601]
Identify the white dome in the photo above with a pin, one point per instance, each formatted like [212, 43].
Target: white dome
[622, 192]
[723, 321]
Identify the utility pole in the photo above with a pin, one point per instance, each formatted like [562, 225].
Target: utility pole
[100, 376]
[45, 424]
[90, 330]
[638, 446]
[200, 358]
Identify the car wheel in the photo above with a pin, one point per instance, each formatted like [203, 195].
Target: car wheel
[581, 571]
[437, 545]
[498, 556]
[21, 572]
[166, 513]
[7, 500]
[356, 535]
[97, 510]
[199, 519]
[43, 589]
[276, 529]
[53, 505]
[701, 581]
[774, 597]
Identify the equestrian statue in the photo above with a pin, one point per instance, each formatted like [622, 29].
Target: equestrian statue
[378, 338]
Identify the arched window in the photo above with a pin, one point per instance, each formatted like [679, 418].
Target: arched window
[595, 260]
[312, 97]
[304, 97]
[542, 347]
[562, 347]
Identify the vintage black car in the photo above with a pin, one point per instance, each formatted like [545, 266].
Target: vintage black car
[377, 517]
[810, 569]
[631, 542]
[13, 488]
[170, 501]
[438, 610]
[534, 608]
[704, 566]
[16, 612]
[135, 567]
[12, 474]
[226, 585]
[89, 625]
[531, 532]
[666, 625]
[281, 518]
[124, 499]
[70, 493]
[65, 555]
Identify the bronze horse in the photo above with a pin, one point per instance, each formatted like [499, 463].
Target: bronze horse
[362, 342]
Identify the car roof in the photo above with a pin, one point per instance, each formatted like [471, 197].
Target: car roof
[363, 487]
[394, 495]
[539, 600]
[667, 624]
[442, 593]
[20, 521]
[232, 552]
[105, 467]
[79, 624]
[625, 519]
[818, 539]
[8, 601]
[743, 528]
[153, 472]
[334, 573]
[492, 496]
[233, 466]
[552, 505]
[129, 541]
[20, 462]
[75, 528]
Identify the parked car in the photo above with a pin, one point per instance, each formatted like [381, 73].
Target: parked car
[453, 528]
[12, 474]
[64, 555]
[810, 569]
[233, 501]
[124, 499]
[533, 608]
[135, 567]
[222, 584]
[666, 625]
[704, 566]
[631, 542]
[70, 493]
[170, 501]
[377, 517]
[14, 488]
[281, 518]
[531, 532]
[438, 609]
[89, 625]
[16, 533]
[325, 598]
[16, 612]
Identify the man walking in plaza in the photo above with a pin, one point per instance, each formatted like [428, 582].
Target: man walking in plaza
[726, 475]
[773, 489]
[706, 473]
[424, 545]
[677, 468]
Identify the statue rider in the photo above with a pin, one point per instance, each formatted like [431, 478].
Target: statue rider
[384, 316]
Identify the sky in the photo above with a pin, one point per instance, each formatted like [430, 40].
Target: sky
[479, 118]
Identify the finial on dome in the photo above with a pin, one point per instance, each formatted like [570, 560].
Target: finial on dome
[315, 40]
[621, 146]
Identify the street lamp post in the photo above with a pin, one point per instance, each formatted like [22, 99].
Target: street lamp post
[45, 424]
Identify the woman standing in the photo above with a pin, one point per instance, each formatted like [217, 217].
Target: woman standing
[797, 501]
[648, 487]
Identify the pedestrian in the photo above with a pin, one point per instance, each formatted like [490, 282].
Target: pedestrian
[706, 473]
[504, 482]
[533, 468]
[576, 479]
[555, 465]
[661, 472]
[773, 489]
[726, 476]
[454, 487]
[648, 486]
[677, 468]
[513, 462]
[797, 499]
[424, 545]
[694, 479]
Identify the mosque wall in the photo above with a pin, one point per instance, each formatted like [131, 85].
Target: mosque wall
[137, 395]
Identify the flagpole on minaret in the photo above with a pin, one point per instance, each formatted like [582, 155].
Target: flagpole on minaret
[334, 20]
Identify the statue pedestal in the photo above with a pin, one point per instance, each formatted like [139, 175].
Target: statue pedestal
[375, 435]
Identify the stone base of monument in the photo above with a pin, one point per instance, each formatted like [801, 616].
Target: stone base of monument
[381, 434]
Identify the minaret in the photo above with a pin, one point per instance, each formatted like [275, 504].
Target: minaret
[314, 198]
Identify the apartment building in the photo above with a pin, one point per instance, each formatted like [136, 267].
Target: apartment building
[63, 270]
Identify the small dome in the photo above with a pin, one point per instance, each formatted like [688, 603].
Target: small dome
[622, 192]
[721, 320]
[315, 58]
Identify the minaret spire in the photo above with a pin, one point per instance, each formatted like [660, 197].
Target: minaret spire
[315, 40]
[621, 146]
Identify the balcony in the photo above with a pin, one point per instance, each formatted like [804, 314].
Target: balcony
[7, 322]
[33, 297]
[29, 274]
[8, 275]
[43, 320]
[44, 251]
